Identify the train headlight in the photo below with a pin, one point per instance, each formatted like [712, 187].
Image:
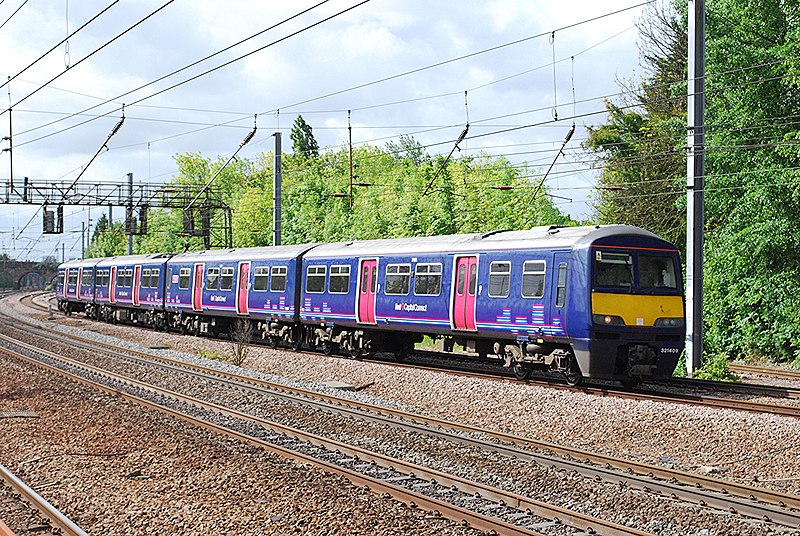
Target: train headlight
[608, 320]
[668, 323]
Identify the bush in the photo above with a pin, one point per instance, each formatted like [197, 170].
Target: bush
[715, 367]
[210, 354]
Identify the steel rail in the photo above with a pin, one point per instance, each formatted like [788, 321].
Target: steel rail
[735, 387]
[766, 371]
[56, 518]
[434, 426]
[575, 519]
[667, 482]
[638, 394]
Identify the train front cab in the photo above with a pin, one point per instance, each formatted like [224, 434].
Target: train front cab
[636, 311]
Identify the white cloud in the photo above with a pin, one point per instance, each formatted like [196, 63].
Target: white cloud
[374, 41]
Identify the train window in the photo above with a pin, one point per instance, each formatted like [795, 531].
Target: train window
[145, 283]
[473, 279]
[499, 279]
[315, 279]
[154, 276]
[561, 286]
[86, 278]
[398, 279]
[128, 277]
[105, 278]
[226, 279]
[462, 270]
[260, 278]
[613, 269]
[533, 273]
[185, 278]
[278, 281]
[73, 277]
[212, 279]
[428, 280]
[340, 280]
[657, 271]
[364, 278]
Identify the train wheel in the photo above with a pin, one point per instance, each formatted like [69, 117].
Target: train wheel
[573, 374]
[629, 382]
[403, 352]
[297, 339]
[522, 371]
[328, 347]
[273, 341]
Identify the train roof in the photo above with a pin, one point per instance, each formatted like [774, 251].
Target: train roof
[237, 254]
[134, 259]
[538, 237]
[78, 263]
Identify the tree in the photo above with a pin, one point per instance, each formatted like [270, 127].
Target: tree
[303, 142]
[640, 148]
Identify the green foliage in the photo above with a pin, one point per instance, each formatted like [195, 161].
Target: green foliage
[753, 254]
[303, 141]
[463, 198]
[715, 367]
[680, 368]
[752, 196]
[211, 354]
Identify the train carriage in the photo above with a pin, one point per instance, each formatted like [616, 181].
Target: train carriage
[75, 285]
[130, 288]
[603, 301]
[537, 298]
[207, 290]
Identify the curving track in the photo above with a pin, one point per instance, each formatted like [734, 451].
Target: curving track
[701, 490]
[490, 509]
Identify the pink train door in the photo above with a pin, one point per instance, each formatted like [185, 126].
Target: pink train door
[243, 288]
[366, 291]
[112, 285]
[465, 284]
[197, 286]
[137, 283]
[80, 282]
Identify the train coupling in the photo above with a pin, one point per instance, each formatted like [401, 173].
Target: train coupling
[641, 360]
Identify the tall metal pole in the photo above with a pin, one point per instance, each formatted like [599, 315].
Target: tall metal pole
[129, 213]
[83, 242]
[10, 140]
[350, 137]
[695, 186]
[276, 197]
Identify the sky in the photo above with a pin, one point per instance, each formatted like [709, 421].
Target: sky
[401, 67]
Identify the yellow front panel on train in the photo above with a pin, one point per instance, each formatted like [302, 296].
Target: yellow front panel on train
[637, 309]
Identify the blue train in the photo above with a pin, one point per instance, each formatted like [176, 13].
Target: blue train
[598, 302]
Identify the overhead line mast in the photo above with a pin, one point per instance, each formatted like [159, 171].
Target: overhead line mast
[695, 186]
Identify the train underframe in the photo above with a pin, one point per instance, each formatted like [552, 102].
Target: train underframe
[523, 357]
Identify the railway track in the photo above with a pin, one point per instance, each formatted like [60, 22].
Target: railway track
[697, 489]
[490, 509]
[465, 368]
[58, 522]
[766, 371]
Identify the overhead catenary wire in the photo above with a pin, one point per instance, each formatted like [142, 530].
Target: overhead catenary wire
[14, 13]
[69, 35]
[173, 73]
[542, 125]
[406, 73]
[107, 43]
[205, 188]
